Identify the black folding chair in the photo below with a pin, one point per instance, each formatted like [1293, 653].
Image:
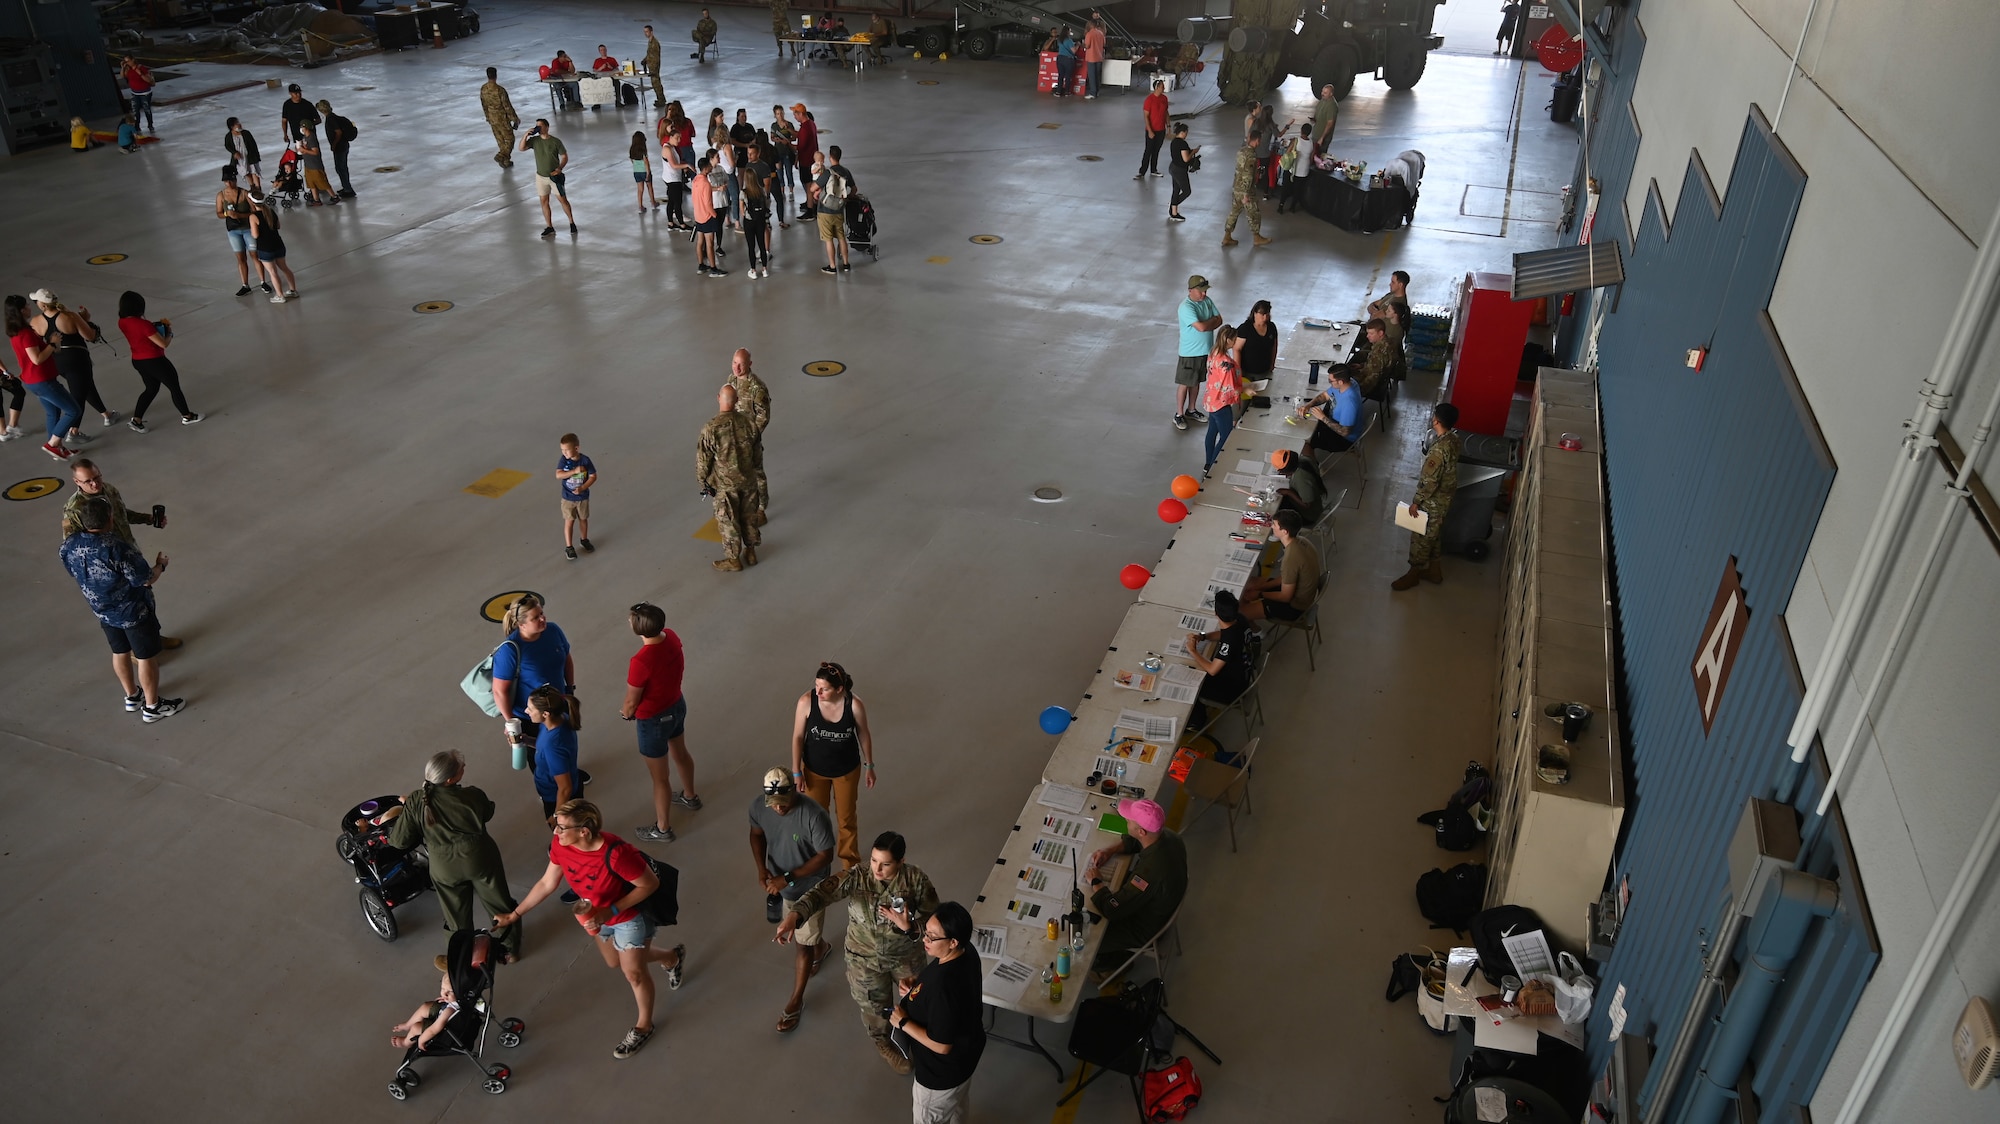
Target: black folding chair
[1117, 1034]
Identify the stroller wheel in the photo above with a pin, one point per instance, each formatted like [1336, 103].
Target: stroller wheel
[495, 1086]
[499, 1073]
[509, 1039]
[515, 1025]
[397, 1091]
[376, 910]
[346, 846]
[409, 1078]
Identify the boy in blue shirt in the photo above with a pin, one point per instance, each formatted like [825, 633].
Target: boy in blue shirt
[128, 135]
[577, 474]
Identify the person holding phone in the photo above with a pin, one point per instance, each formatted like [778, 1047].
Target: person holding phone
[551, 159]
[118, 583]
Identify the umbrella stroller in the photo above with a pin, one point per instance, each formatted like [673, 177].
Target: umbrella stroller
[469, 961]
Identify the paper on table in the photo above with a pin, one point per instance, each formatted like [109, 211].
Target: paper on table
[1249, 465]
[1179, 692]
[1029, 907]
[1516, 1036]
[1039, 878]
[1243, 480]
[1051, 850]
[1069, 828]
[1194, 622]
[990, 940]
[1529, 952]
[1062, 796]
[1134, 680]
[1008, 980]
[1230, 576]
[1155, 727]
[1416, 524]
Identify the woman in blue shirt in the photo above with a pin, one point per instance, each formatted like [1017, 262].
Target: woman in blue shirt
[557, 778]
[535, 655]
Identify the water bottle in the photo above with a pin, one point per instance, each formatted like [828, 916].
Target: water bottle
[1062, 960]
[1076, 939]
[1312, 372]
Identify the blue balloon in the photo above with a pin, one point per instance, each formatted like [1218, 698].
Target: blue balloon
[1055, 720]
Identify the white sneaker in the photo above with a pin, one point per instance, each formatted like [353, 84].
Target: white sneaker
[10, 434]
[292, 293]
[277, 298]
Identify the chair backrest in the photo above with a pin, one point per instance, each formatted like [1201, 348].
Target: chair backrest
[1218, 783]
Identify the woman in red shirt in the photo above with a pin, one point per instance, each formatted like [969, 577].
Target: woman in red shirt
[653, 699]
[149, 357]
[610, 877]
[33, 352]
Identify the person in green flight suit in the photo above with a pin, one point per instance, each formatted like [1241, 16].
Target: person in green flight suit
[449, 819]
[1435, 484]
[1154, 884]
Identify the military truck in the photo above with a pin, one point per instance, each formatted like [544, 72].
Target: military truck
[1329, 42]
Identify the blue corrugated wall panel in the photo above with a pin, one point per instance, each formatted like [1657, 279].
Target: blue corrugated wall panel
[1614, 145]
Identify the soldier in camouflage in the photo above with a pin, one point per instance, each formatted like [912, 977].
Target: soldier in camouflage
[753, 400]
[652, 67]
[499, 110]
[704, 37]
[726, 462]
[781, 26]
[1383, 363]
[1243, 192]
[1435, 485]
[882, 940]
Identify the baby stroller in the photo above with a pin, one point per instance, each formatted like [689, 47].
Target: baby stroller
[469, 962]
[289, 186]
[861, 224]
[388, 877]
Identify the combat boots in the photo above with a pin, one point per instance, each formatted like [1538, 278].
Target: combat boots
[750, 557]
[893, 1056]
[1407, 581]
[731, 565]
[1229, 239]
[757, 519]
[1434, 573]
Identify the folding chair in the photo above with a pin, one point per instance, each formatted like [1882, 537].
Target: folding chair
[1153, 945]
[1127, 1033]
[1248, 704]
[1224, 785]
[1307, 623]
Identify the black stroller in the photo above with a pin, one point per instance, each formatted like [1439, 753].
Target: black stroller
[469, 962]
[388, 877]
[288, 187]
[861, 224]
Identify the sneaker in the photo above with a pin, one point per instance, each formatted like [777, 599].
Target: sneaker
[1176, 218]
[1140, 176]
[244, 291]
[1180, 421]
[572, 228]
[693, 803]
[718, 273]
[56, 450]
[134, 701]
[569, 552]
[587, 548]
[846, 267]
[582, 777]
[292, 293]
[680, 963]
[630, 1044]
[167, 709]
[136, 425]
[1156, 175]
[828, 269]
[78, 437]
[110, 419]
[10, 434]
[277, 298]
[652, 834]
[548, 232]
[192, 419]
[266, 286]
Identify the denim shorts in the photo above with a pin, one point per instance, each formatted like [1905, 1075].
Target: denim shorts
[636, 933]
[240, 241]
[664, 727]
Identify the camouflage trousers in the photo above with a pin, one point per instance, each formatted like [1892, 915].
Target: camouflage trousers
[732, 519]
[504, 137]
[872, 982]
[763, 492]
[1236, 208]
[1424, 548]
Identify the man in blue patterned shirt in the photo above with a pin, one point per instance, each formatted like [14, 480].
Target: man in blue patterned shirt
[118, 584]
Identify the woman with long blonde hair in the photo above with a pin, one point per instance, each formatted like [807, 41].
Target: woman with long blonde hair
[1220, 394]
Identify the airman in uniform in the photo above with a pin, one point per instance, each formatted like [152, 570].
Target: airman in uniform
[882, 941]
[704, 37]
[652, 67]
[781, 26]
[1435, 484]
[1383, 363]
[753, 400]
[499, 110]
[726, 462]
[1243, 194]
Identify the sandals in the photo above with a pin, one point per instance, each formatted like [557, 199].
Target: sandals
[788, 1021]
[819, 956]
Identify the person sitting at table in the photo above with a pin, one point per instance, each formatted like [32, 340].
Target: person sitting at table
[1383, 365]
[1228, 669]
[562, 68]
[1153, 887]
[1306, 492]
[603, 63]
[1399, 293]
[1336, 412]
[1287, 596]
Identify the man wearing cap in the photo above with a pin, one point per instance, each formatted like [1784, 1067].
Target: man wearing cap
[1436, 483]
[1153, 886]
[340, 133]
[1199, 319]
[1383, 364]
[1305, 491]
[551, 173]
[888, 901]
[296, 115]
[791, 841]
[1287, 596]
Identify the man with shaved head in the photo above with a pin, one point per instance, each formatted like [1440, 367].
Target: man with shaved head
[727, 459]
[753, 400]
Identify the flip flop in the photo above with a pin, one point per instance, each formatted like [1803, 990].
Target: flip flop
[819, 956]
[788, 1021]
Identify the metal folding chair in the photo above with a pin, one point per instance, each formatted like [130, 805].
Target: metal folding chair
[1152, 947]
[1247, 704]
[1227, 786]
[1308, 622]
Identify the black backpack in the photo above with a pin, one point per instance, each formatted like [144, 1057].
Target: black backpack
[1487, 930]
[1453, 824]
[1449, 899]
[663, 906]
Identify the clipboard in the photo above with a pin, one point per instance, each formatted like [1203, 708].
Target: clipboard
[1415, 524]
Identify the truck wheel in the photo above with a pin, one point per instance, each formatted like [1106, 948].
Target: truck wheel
[1404, 63]
[1334, 66]
[979, 44]
[933, 41]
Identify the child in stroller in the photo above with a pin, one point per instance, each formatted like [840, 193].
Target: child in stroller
[457, 1019]
[290, 185]
[860, 224]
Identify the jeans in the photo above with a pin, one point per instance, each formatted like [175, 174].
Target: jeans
[62, 410]
[142, 109]
[340, 169]
[1220, 422]
[1065, 75]
[1093, 73]
[157, 373]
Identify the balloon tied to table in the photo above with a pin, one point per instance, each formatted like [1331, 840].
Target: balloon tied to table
[1134, 576]
[1055, 720]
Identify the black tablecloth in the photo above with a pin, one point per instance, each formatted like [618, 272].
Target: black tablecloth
[1356, 206]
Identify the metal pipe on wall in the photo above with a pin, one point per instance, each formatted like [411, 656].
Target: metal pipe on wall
[1963, 340]
[1668, 1073]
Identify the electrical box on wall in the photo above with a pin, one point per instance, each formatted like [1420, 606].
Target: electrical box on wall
[1976, 1042]
[1696, 356]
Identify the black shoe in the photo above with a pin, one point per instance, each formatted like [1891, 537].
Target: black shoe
[244, 291]
[846, 267]
[572, 228]
[718, 273]
[582, 777]
[569, 552]
[266, 286]
[828, 269]
[548, 232]
[587, 548]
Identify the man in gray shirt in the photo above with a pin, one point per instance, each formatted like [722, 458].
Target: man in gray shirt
[791, 841]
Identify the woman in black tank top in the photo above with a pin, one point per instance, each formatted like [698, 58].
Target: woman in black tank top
[832, 752]
[72, 333]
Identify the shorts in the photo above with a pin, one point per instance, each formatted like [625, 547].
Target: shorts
[810, 930]
[662, 728]
[576, 509]
[544, 185]
[1279, 611]
[712, 226]
[241, 242]
[636, 933]
[270, 255]
[642, 177]
[1190, 369]
[831, 226]
[140, 641]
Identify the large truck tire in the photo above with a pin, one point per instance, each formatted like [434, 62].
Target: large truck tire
[1334, 66]
[933, 41]
[1404, 63]
[979, 43]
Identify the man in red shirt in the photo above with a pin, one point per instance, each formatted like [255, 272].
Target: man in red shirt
[653, 699]
[603, 63]
[610, 877]
[138, 83]
[1155, 108]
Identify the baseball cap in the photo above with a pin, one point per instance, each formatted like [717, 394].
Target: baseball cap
[1197, 281]
[42, 296]
[1143, 813]
[294, 89]
[798, 107]
[777, 781]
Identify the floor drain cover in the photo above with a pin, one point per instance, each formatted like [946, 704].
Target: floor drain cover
[1048, 125]
[927, 81]
[432, 306]
[986, 239]
[1047, 495]
[34, 489]
[364, 87]
[823, 368]
[105, 259]
[1090, 159]
[390, 168]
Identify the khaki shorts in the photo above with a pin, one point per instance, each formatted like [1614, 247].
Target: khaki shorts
[831, 227]
[576, 509]
[810, 930]
[544, 186]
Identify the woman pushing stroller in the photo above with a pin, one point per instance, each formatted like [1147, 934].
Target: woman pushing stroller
[450, 820]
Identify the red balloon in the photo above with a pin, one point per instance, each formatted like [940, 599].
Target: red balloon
[1134, 576]
[1173, 511]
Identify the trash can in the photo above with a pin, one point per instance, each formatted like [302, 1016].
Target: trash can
[1484, 466]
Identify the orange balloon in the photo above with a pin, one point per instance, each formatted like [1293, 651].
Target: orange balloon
[1186, 487]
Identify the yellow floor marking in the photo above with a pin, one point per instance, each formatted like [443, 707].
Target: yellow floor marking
[1066, 1113]
[709, 532]
[938, 261]
[497, 483]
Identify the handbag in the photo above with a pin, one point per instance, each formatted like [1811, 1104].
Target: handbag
[478, 683]
[1575, 991]
[662, 906]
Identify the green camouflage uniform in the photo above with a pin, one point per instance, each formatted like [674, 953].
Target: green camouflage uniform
[1244, 185]
[499, 110]
[121, 522]
[781, 25]
[704, 36]
[652, 66]
[877, 953]
[1378, 368]
[1435, 485]
[727, 460]
[753, 400]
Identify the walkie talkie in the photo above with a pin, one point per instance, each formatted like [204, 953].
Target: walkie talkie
[1075, 894]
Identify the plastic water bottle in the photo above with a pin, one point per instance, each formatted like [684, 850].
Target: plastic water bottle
[1076, 939]
[1062, 960]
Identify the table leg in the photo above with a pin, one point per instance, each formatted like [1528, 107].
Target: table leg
[1030, 1045]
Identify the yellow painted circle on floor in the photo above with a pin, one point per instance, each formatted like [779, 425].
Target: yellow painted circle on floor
[105, 259]
[432, 306]
[823, 368]
[34, 489]
[495, 608]
[986, 239]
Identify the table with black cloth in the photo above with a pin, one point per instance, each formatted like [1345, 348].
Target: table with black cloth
[1357, 206]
